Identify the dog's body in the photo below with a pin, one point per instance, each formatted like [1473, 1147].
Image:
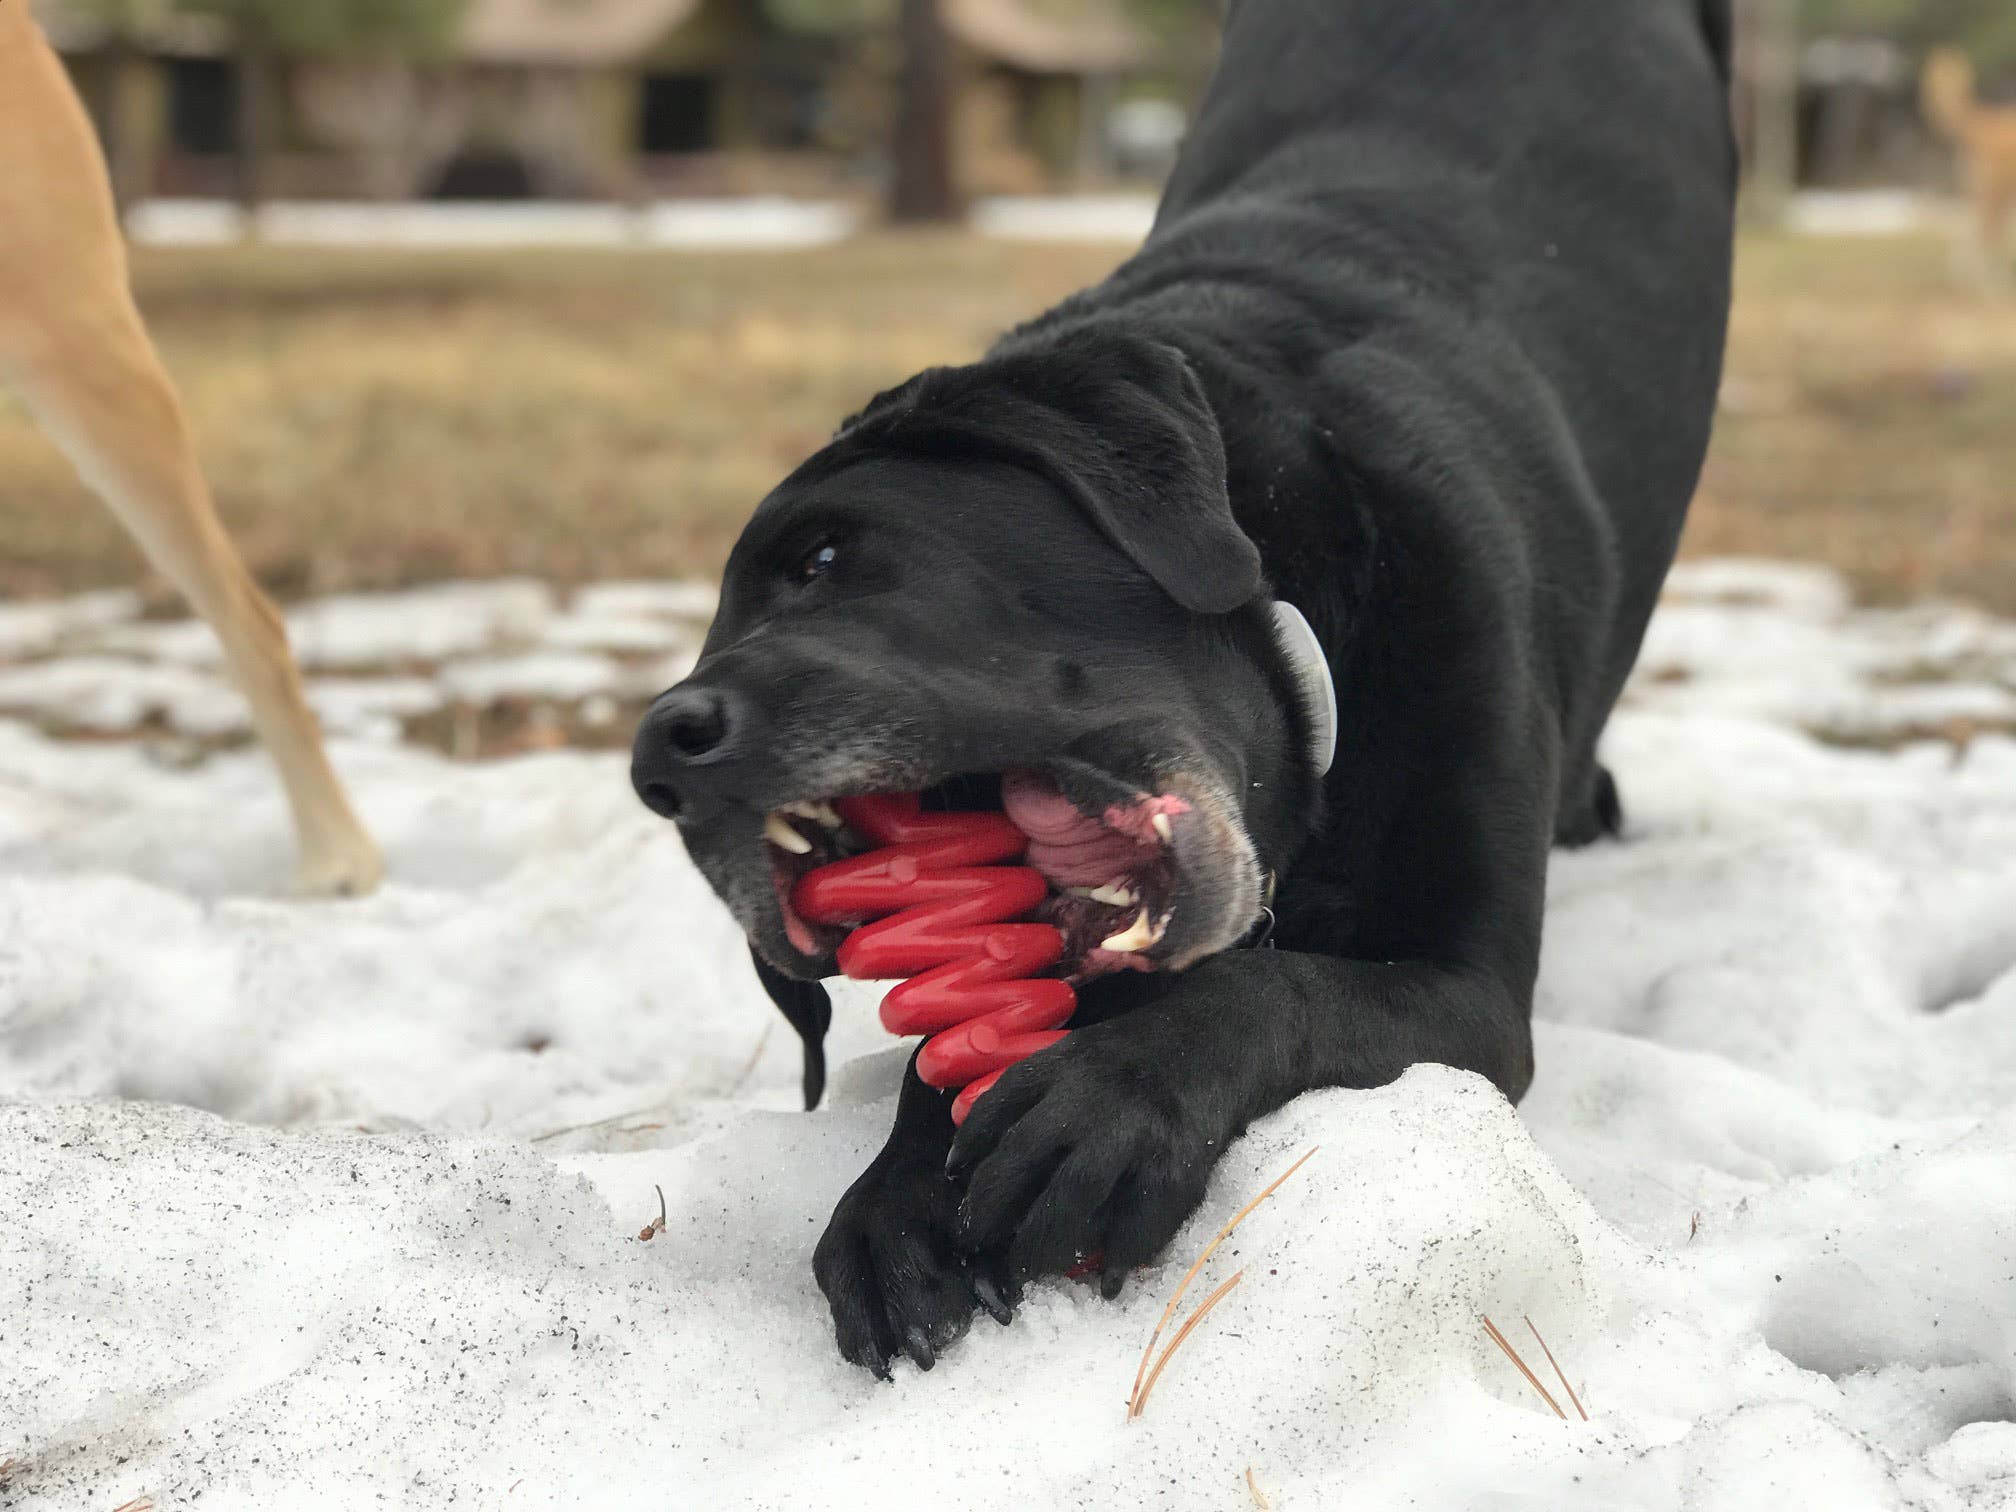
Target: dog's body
[73, 347]
[1431, 316]
[1985, 136]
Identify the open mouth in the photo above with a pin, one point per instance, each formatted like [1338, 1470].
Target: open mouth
[1113, 869]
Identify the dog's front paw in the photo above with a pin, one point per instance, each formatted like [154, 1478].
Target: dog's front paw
[1086, 1150]
[895, 1279]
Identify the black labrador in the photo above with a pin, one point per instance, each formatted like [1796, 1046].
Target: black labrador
[1425, 343]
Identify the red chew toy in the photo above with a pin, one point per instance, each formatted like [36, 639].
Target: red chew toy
[945, 899]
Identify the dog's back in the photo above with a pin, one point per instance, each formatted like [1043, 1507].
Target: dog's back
[1563, 168]
[1471, 263]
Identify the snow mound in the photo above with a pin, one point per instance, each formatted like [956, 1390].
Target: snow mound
[338, 1205]
[375, 662]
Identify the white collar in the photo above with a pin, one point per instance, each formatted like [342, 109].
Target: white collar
[1311, 670]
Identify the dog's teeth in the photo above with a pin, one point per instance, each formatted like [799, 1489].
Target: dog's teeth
[777, 830]
[1136, 936]
[1118, 894]
[1163, 828]
[819, 813]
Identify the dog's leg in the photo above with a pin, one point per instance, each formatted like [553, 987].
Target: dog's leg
[1106, 1141]
[889, 1262]
[1979, 260]
[1998, 210]
[72, 342]
[1595, 814]
[95, 384]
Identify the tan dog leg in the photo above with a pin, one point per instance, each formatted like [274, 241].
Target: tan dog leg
[73, 343]
[1977, 262]
[1997, 210]
[1979, 254]
[106, 401]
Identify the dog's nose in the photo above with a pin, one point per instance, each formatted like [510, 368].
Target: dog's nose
[694, 723]
[685, 728]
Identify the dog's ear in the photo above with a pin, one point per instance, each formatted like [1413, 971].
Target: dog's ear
[808, 1010]
[1120, 423]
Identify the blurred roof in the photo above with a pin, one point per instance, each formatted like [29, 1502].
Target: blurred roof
[580, 32]
[1088, 39]
[1039, 36]
[77, 26]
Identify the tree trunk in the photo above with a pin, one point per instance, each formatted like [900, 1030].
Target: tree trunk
[922, 189]
[1774, 143]
[123, 166]
[258, 114]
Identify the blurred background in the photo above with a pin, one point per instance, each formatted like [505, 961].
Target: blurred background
[555, 290]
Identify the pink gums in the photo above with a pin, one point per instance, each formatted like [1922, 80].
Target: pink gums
[1073, 850]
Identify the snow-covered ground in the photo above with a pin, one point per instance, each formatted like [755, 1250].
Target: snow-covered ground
[748, 223]
[774, 222]
[338, 1206]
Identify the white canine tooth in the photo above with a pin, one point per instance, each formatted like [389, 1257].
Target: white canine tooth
[818, 813]
[1136, 936]
[1116, 893]
[777, 830]
[1163, 828]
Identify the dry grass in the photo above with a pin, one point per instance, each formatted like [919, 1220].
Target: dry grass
[1144, 1377]
[1869, 421]
[1559, 1373]
[372, 419]
[1526, 1370]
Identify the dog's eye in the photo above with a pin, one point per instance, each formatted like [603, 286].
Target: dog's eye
[817, 562]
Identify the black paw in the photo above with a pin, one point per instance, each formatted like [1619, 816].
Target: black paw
[1087, 1151]
[1599, 817]
[895, 1279]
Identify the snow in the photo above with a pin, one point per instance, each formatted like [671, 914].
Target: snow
[1119, 218]
[1860, 212]
[374, 660]
[742, 223]
[32, 629]
[337, 1205]
[759, 222]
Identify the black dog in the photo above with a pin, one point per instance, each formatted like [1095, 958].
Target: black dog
[1425, 342]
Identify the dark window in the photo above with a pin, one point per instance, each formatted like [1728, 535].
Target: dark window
[676, 113]
[477, 174]
[202, 106]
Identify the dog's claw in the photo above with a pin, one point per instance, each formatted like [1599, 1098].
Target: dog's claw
[918, 1347]
[1111, 1280]
[989, 1296]
[871, 1359]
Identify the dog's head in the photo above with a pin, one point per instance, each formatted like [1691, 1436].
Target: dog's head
[1016, 583]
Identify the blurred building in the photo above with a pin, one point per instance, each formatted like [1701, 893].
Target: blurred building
[618, 99]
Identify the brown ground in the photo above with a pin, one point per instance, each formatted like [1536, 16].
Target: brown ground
[380, 419]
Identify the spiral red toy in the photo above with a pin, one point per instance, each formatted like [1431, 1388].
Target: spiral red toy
[945, 903]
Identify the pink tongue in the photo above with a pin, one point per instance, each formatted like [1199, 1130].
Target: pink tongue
[1068, 848]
